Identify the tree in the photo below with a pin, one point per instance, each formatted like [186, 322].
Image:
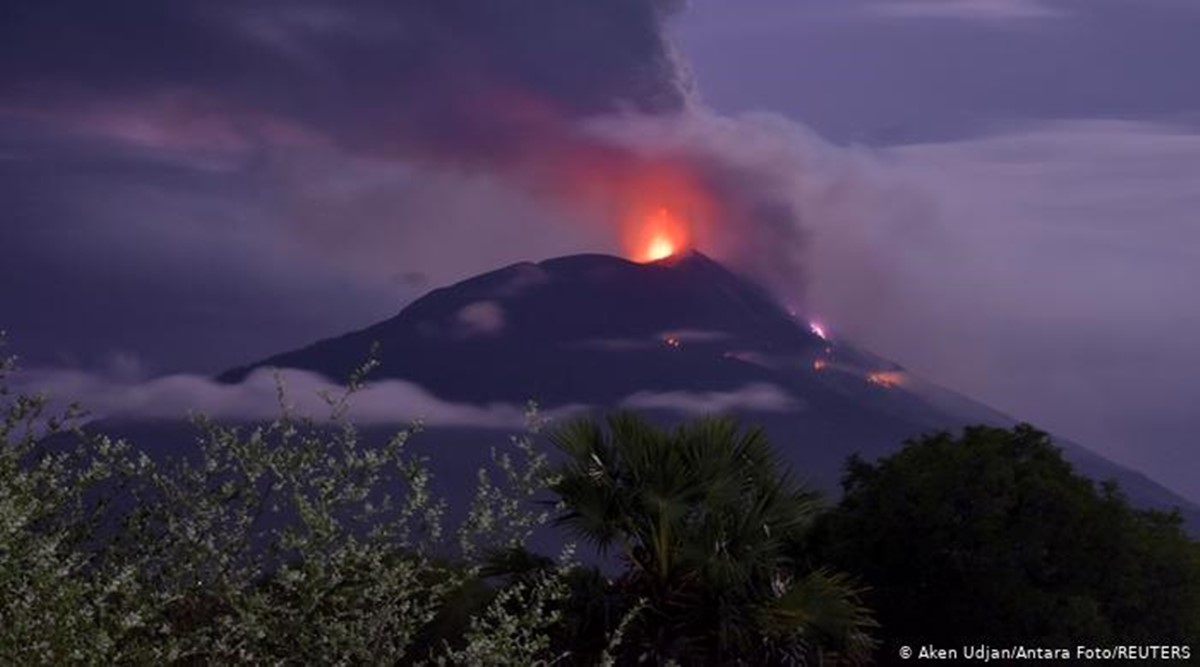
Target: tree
[991, 537]
[701, 517]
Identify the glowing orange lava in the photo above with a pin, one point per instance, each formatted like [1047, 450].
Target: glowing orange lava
[660, 248]
[886, 379]
[661, 207]
[660, 235]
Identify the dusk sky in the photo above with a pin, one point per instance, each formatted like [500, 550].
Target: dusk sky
[1001, 195]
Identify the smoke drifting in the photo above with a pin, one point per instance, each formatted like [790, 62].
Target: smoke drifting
[585, 106]
[368, 149]
[206, 183]
[579, 103]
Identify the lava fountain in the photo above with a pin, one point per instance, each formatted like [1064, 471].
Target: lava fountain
[659, 237]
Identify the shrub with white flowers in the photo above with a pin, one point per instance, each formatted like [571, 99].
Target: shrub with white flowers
[293, 542]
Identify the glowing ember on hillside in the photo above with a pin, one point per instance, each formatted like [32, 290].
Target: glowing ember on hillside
[818, 329]
[886, 379]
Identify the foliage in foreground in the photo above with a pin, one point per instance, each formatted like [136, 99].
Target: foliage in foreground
[288, 543]
[702, 518]
[298, 542]
[301, 542]
[992, 538]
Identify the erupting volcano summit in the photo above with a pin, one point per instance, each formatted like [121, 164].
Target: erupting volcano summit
[672, 337]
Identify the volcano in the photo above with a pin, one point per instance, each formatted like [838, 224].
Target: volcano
[589, 329]
[672, 338]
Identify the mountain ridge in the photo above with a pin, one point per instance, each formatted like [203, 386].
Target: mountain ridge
[604, 332]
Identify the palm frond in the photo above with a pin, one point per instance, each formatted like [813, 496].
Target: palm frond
[825, 606]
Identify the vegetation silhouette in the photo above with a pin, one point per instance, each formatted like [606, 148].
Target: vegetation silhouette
[991, 537]
[702, 518]
[301, 542]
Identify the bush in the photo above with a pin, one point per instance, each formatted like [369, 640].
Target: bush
[292, 542]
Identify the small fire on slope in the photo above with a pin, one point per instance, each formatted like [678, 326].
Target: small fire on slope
[886, 379]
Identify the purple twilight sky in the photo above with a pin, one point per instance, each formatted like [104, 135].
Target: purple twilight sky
[1002, 195]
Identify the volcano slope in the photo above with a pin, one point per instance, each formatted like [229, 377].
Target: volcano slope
[672, 339]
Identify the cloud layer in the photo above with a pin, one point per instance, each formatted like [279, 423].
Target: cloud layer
[257, 398]
[989, 10]
[1054, 280]
[378, 402]
[752, 398]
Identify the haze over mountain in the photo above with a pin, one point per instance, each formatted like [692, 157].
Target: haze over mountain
[196, 184]
[675, 337]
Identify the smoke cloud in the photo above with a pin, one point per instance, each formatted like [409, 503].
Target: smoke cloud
[369, 124]
[210, 183]
[353, 154]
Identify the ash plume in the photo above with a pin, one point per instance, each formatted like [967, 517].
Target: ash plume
[318, 146]
[507, 88]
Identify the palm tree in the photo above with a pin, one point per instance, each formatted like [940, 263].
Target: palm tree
[702, 518]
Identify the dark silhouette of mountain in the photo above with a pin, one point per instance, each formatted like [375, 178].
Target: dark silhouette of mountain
[682, 334]
[554, 329]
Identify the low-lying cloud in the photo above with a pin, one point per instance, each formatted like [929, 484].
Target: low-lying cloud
[258, 398]
[757, 397]
[990, 10]
[480, 318]
[311, 395]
